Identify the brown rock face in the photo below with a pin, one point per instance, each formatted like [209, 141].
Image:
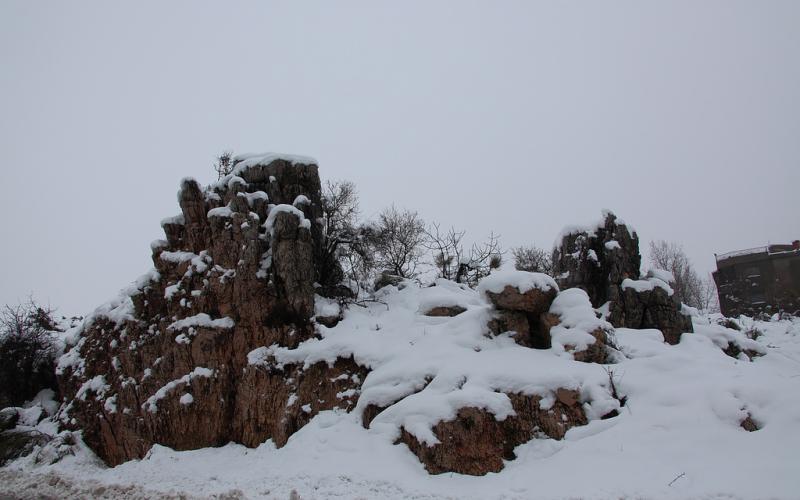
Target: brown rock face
[598, 261]
[168, 362]
[522, 313]
[651, 309]
[534, 301]
[476, 443]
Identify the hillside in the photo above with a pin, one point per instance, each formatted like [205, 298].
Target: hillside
[238, 367]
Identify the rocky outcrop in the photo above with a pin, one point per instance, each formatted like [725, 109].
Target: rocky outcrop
[598, 258]
[521, 306]
[476, 443]
[650, 303]
[15, 443]
[604, 261]
[167, 362]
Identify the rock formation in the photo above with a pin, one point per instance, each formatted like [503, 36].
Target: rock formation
[604, 261]
[238, 335]
[522, 308]
[476, 443]
[167, 362]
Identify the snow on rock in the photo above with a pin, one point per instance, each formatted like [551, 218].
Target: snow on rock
[579, 332]
[175, 219]
[661, 274]
[96, 384]
[447, 294]
[301, 200]
[151, 404]
[278, 209]
[221, 212]
[592, 228]
[424, 370]
[202, 320]
[247, 160]
[646, 285]
[521, 280]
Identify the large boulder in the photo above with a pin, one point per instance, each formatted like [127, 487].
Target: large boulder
[15, 443]
[476, 442]
[597, 258]
[169, 361]
[650, 303]
[521, 300]
[604, 261]
[8, 418]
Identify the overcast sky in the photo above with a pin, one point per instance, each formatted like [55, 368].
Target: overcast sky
[683, 117]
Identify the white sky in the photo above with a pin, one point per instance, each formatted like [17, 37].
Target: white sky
[519, 117]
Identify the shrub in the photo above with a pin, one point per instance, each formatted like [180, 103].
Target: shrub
[27, 352]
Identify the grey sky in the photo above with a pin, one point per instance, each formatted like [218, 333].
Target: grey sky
[518, 117]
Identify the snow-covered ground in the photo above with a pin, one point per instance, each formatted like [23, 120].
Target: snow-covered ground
[679, 435]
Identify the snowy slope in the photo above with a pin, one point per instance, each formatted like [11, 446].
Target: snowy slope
[679, 436]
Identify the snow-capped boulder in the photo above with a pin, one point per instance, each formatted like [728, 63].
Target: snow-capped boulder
[650, 303]
[476, 443]
[519, 291]
[521, 300]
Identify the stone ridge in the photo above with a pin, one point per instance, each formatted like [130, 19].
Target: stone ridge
[599, 261]
[168, 364]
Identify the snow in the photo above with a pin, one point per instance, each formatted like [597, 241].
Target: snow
[175, 219]
[177, 257]
[202, 320]
[646, 285]
[577, 320]
[678, 437]
[742, 253]
[152, 402]
[244, 162]
[247, 160]
[521, 280]
[325, 307]
[301, 200]
[186, 399]
[612, 245]
[431, 367]
[96, 384]
[220, 212]
[446, 293]
[661, 274]
[277, 209]
[591, 229]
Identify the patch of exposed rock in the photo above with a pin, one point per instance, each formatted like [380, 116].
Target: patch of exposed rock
[604, 261]
[521, 305]
[476, 443]
[167, 362]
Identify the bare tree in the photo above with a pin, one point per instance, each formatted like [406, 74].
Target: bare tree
[709, 298]
[27, 352]
[669, 256]
[224, 164]
[455, 263]
[397, 239]
[532, 259]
